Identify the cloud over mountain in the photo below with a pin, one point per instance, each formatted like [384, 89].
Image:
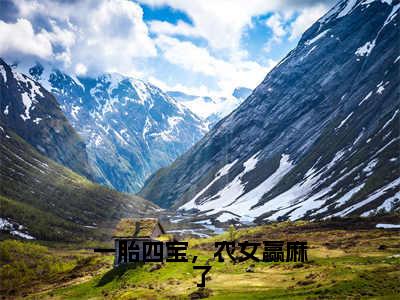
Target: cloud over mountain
[204, 45]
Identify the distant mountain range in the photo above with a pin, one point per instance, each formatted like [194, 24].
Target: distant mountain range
[40, 198]
[212, 109]
[319, 137]
[131, 128]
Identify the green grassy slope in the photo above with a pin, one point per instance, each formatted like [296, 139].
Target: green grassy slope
[343, 264]
[24, 266]
[54, 203]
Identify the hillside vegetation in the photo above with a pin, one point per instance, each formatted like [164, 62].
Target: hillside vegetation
[52, 202]
[342, 264]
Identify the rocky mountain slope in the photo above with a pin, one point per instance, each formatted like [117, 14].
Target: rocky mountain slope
[318, 137]
[131, 127]
[34, 114]
[39, 198]
[43, 200]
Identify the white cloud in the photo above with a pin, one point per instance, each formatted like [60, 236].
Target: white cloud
[111, 36]
[275, 22]
[115, 35]
[80, 69]
[58, 35]
[198, 90]
[105, 35]
[222, 22]
[190, 56]
[181, 28]
[305, 19]
[20, 38]
[228, 73]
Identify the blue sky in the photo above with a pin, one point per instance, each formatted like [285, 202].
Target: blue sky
[201, 47]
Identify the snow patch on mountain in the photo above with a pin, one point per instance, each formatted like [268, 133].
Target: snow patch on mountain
[14, 229]
[347, 9]
[366, 49]
[37, 120]
[226, 195]
[370, 166]
[227, 199]
[319, 36]
[30, 93]
[383, 225]
[27, 101]
[251, 198]
[378, 193]
[344, 121]
[365, 98]
[375, 195]
[224, 217]
[3, 73]
[389, 121]
[388, 205]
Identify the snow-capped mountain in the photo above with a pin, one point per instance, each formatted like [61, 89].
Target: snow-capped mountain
[34, 114]
[211, 109]
[131, 127]
[319, 137]
[40, 198]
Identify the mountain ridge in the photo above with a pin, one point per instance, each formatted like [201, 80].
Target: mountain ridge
[34, 114]
[316, 138]
[40, 197]
[131, 127]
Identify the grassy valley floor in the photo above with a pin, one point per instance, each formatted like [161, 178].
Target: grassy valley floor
[342, 264]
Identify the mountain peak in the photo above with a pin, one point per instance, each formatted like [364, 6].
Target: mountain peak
[130, 126]
[317, 138]
[33, 113]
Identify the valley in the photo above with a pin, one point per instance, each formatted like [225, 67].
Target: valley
[140, 113]
[356, 263]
